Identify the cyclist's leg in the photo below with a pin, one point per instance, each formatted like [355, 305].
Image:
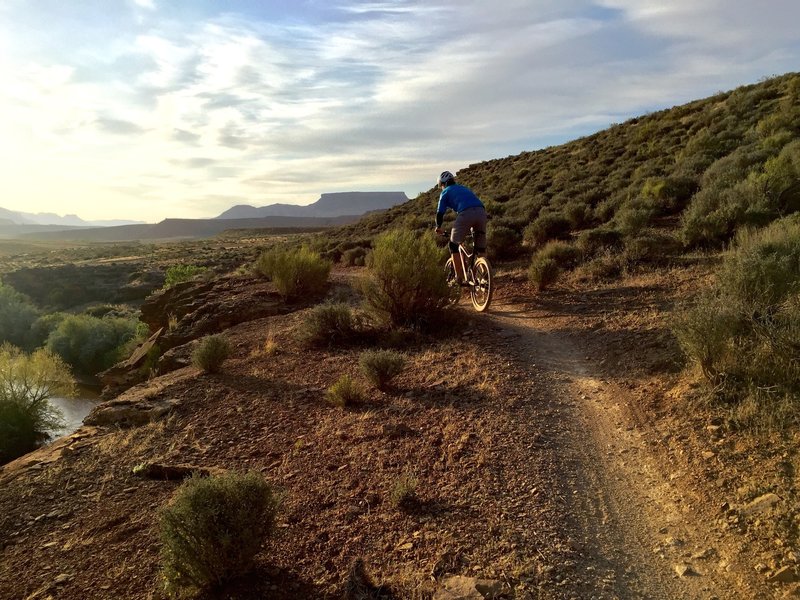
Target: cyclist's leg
[457, 235]
[478, 224]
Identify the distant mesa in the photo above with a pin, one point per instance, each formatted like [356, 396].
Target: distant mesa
[336, 204]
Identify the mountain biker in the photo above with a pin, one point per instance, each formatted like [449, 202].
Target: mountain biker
[470, 213]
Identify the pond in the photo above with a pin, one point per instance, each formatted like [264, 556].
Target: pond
[74, 410]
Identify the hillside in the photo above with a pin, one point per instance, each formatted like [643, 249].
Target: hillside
[328, 205]
[677, 169]
[566, 444]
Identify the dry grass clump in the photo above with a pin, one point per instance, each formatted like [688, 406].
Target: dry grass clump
[381, 366]
[345, 392]
[210, 353]
[403, 494]
[329, 325]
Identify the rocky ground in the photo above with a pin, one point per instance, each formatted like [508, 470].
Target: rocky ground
[554, 442]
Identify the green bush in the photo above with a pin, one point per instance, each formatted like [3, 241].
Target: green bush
[651, 246]
[744, 332]
[345, 392]
[593, 241]
[180, 273]
[329, 325]
[295, 273]
[605, 265]
[547, 227]
[503, 242]
[91, 345]
[406, 285]
[212, 530]
[27, 382]
[354, 257]
[210, 353]
[17, 315]
[566, 255]
[381, 366]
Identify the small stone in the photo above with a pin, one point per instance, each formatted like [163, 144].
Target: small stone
[761, 504]
[62, 578]
[784, 575]
[406, 546]
[684, 570]
[761, 568]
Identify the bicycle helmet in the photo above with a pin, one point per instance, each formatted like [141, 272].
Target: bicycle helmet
[446, 178]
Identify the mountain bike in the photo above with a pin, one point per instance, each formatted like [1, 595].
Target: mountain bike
[477, 273]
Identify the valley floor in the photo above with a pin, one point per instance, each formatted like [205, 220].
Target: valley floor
[552, 447]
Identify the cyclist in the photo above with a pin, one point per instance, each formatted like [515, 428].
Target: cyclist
[470, 213]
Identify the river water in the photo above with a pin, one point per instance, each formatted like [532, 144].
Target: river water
[74, 410]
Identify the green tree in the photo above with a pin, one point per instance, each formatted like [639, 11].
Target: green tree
[27, 382]
[17, 314]
[91, 345]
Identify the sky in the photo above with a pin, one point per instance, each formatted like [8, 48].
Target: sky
[148, 109]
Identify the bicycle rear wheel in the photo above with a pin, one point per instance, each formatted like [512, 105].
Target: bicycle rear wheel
[454, 293]
[481, 291]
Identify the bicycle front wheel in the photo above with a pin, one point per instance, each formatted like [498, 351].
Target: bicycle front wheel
[454, 290]
[481, 291]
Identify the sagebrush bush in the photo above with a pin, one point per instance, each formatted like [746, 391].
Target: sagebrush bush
[329, 324]
[651, 246]
[503, 242]
[744, 332]
[381, 366]
[345, 392]
[210, 353]
[90, 345]
[295, 273]
[592, 241]
[543, 272]
[212, 530]
[607, 264]
[406, 285]
[354, 257]
[27, 382]
[546, 227]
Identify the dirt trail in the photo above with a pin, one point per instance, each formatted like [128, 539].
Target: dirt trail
[633, 532]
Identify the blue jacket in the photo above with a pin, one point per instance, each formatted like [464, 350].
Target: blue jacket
[457, 197]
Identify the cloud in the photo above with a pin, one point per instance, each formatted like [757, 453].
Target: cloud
[286, 103]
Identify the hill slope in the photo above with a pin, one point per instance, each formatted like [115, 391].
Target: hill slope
[680, 168]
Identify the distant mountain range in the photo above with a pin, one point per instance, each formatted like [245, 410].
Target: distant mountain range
[328, 205]
[23, 218]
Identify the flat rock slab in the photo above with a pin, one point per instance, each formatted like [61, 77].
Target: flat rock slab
[458, 587]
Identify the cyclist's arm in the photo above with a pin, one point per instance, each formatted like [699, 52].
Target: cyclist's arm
[441, 209]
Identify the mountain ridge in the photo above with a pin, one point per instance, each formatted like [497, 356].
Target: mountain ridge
[330, 204]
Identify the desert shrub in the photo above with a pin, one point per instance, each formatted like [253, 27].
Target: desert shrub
[406, 284]
[381, 366]
[210, 352]
[651, 246]
[27, 382]
[354, 257]
[579, 214]
[503, 242]
[632, 217]
[403, 494]
[592, 241]
[295, 273]
[329, 325]
[212, 529]
[668, 195]
[605, 265]
[546, 227]
[345, 392]
[17, 315]
[91, 345]
[543, 272]
[566, 255]
[180, 273]
[744, 332]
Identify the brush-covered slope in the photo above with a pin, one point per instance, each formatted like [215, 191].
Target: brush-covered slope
[699, 170]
